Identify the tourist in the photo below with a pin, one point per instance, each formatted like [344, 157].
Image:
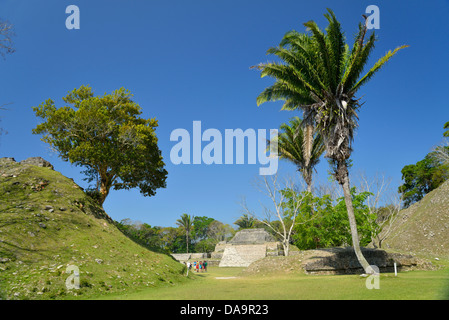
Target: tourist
[197, 266]
[201, 266]
[205, 266]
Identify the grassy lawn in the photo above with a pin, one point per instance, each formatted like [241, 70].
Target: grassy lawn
[413, 285]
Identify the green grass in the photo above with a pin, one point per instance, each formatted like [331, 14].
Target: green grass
[412, 285]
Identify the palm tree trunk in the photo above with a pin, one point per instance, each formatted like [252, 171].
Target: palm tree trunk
[308, 146]
[352, 222]
[307, 176]
[309, 188]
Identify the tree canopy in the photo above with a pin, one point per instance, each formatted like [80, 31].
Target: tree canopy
[106, 135]
[324, 223]
[245, 222]
[421, 178]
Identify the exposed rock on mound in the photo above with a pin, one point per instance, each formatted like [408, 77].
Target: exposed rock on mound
[336, 261]
[37, 161]
[423, 228]
[252, 236]
[50, 227]
[344, 261]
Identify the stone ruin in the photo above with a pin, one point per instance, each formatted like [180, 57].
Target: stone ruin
[247, 246]
[344, 261]
[251, 245]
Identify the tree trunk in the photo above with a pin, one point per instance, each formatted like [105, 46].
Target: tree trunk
[104, 191]
[307, 176]
[353, 224]
[286, 246]
[308, 146]
[309, 187]
[106, 180]
[308, 143]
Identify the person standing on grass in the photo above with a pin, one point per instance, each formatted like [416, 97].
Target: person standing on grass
[205, 266]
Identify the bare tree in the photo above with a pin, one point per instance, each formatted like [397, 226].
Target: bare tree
[330, 188]
[383, 204]
[284, 209]
[386, 219]
[3, 131]
[441, 153]
[6, 47]
[6, 34]
[218, 231]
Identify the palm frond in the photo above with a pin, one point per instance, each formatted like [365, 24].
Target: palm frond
[359, 62]
[336, 43]
[377, 66]
[324, 54]
[292, 147]
[288, 75]
[355, 51]
[281, 91]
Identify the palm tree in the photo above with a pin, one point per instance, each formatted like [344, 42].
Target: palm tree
[302, 146]
[320, 75]
[245, 222]
[186, 223]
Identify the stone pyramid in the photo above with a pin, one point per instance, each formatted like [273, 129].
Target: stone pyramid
[247, 246]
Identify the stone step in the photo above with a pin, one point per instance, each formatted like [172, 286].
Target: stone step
[242, 255]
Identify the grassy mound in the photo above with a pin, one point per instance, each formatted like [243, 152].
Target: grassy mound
[423, 228]
[48, 223]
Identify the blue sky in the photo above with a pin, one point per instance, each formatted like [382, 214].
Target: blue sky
[188, 61]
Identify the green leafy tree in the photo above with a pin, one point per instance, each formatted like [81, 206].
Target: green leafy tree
[200, 227]
[320, 75]
[323, 223]
[186, 224]
[421, 178]
[292, 146]
[106, 135]
[142, 233]
[205, 245]
[173, 239]
[446, 126]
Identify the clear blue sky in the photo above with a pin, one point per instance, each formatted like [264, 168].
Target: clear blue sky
[189, 60]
